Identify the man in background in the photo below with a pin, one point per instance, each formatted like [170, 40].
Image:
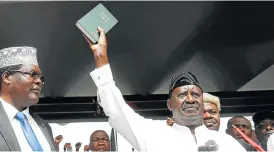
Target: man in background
[245, 126]
[211, 116]
[99, 141]
[264, 126]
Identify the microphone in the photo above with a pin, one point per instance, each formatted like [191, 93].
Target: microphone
[212, 145]
[209, 146]
[113, 140]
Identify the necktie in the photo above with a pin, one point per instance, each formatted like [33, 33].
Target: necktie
[28, 132]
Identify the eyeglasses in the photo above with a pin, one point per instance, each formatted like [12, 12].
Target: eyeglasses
[265, 125]
[33, 74]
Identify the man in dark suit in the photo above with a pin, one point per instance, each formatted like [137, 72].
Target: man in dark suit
[21, 83]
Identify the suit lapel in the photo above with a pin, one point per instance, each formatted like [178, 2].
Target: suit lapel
[42, 125]
[7, 131]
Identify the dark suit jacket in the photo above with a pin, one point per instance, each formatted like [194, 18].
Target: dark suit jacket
[8, 140]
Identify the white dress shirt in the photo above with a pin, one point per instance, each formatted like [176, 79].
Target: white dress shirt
[146, 134]
[270, 143]
[23, 143]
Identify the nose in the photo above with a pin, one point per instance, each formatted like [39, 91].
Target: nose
[189, 98]
[206, 115]
[38, 81]
[268, 127]
[242, 129]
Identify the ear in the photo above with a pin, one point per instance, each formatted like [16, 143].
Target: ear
[6, 78]
[169, 106]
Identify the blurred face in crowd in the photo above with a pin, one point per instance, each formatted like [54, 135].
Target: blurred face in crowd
[186, 104]
[99, 141]
[264, 129]
[211, 116]
[243, 124]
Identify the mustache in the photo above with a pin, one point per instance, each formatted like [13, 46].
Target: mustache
[269, 132]
[187, 105]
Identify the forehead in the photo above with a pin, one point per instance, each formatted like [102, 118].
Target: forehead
[99, 134]
[187, 88]
[31, 67]
[240, 120]
[266, 120]
[210, 106]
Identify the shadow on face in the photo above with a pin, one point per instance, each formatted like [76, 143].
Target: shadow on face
[186, 105]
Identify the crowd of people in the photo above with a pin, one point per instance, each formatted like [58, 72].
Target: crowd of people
[193, 126]
[99, 141]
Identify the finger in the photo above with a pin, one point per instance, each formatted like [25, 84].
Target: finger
[88, 40]
[101, 31]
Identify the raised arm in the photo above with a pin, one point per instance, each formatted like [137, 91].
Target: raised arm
[122, 118]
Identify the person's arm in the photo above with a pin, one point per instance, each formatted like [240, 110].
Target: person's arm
[57, 141]
[77, 146]
[122, 118]
[86, 148]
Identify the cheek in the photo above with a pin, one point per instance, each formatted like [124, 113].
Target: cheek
[217, 118]
[234, 132]
[177, 103]
[22, 84]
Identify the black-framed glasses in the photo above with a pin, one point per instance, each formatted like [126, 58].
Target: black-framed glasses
[33, 74]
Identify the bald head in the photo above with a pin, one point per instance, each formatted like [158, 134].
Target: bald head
[99, 141]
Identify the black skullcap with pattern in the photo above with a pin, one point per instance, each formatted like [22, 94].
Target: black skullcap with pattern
[182, 79]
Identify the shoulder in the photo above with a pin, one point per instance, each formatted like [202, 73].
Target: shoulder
[40, 121]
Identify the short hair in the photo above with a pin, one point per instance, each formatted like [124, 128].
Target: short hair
[209, 98]
[8, 68]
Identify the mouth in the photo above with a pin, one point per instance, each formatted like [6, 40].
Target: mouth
[36, 90]
[239, 137]
[209, 124]
[269, 133]
[101, 146]
[190, 110]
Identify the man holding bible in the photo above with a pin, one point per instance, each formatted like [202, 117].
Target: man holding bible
[185, 101]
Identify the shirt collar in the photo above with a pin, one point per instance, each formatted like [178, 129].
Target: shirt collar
[183, 128]
[11, 111]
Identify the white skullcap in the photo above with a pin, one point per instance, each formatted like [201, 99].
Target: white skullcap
[18, 55]
[209, 98]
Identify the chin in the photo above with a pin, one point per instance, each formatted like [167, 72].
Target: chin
[33, 101]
